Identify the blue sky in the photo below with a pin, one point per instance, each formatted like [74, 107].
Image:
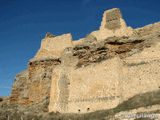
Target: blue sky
[23, 23]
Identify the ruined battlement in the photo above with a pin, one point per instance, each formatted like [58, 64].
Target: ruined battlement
[53, 46]
[112, 25]
[57, 43]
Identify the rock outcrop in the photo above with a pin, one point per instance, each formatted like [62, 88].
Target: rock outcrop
[103, 70]
[34, 84]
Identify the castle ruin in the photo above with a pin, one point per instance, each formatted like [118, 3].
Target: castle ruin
[98, 72]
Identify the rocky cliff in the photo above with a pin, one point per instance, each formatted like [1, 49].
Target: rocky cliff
[56, 74]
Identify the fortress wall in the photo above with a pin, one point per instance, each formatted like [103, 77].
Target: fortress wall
[106, 84]
[94, 87]
[141, 77]
[141, 72]
[103, 85]
[54, 46]
[57, 43]
[89, 89]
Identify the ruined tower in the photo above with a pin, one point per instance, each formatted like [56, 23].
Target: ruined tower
[112, 25]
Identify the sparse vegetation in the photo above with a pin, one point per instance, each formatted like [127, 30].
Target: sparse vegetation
[14, 112]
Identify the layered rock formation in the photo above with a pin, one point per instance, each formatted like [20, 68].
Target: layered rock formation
[34, 84]
[98, 72]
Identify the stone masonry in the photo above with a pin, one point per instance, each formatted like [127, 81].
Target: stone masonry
[112, 25]
[97, 72]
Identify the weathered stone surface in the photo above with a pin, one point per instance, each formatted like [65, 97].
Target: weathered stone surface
[18, 89]
[33, 84]
[50, 35]
[90, 39]
[113, 19]
[54, 46]
[112, 25]
[101, 71]
[39, 78]
[94, 59]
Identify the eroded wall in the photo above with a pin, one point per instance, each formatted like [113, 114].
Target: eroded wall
[39, 78]
[86, 89]
[141, 72]
[112, 25]
[93, 77]
[54, 46]
[106, 84]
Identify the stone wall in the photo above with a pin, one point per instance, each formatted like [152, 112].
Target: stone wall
[86, 89]
[112, 25]
[111, 20]
[141, 72]
[54, 46]
[105, 83]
